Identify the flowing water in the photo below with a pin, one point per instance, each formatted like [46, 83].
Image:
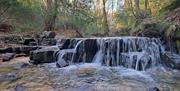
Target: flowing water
[115, 64]
[138, 53]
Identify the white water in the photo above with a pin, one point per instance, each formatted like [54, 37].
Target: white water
[98, 57]
[138, 53]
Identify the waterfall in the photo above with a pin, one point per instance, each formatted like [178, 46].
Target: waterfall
[98, 57]
[75, 50]
[61, 53]
[138, 53]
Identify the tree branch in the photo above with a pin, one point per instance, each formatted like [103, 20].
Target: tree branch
[4, 11]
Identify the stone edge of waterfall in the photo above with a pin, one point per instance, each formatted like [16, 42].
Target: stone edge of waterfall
[111, 37]
[130, 45]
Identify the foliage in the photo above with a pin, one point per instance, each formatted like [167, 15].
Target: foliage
[173, 5]
[83, 15]
[78, 16]
[22, 13]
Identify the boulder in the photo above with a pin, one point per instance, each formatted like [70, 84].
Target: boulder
[7, 56]
[153, 89]
[61, 63]
[3, 50]
[5, 27]
[64, 43]
[48, 34]
[44, 55]
[28, 41]
[171, 60]
[8, 50]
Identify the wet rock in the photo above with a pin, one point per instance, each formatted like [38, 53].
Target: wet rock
[90, 44]
[28, 41]
[2, 50]
[85, 51]
[171, 60]
[20, 87]
[64, 43]
[6, 50]
[8, 77]
[16, 50]
[7, 56]
[45, 55]
[154, 89]
[61, 63]
[85, 71]
[130, 52]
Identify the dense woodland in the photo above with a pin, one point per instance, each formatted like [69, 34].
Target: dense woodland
[89, 45]
[151, 18]
[86, 16]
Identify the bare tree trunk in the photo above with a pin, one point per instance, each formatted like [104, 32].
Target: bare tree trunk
[112, 7]
[137, 5]
[106, 26]
[55, 12]
[50, 15]
[146, 5]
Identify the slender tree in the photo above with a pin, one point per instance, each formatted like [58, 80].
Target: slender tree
[106, 26]
[137, 5]
[50, 15]
[146, 5]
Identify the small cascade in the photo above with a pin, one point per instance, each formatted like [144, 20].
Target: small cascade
[139, 53]
[98, 57]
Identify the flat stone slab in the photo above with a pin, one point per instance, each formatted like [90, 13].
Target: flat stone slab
[44, 55]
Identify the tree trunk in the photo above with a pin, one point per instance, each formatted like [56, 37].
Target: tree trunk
[146, 5]
[106, 26]
[50, 15]
[137, 5]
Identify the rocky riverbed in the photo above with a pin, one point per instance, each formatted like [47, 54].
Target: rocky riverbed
[30, 66]
[19, 75]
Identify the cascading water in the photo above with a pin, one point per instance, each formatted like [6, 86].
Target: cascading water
[138, 53]
[130, 62]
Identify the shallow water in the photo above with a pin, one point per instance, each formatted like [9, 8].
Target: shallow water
[88, 77]
[102, 78]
